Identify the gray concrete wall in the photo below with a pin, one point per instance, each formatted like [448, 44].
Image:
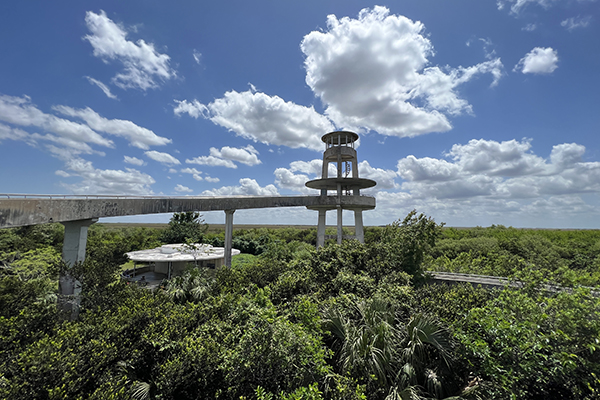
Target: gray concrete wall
[33, 211]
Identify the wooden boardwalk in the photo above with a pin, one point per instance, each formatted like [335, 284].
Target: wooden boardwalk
[495, 282]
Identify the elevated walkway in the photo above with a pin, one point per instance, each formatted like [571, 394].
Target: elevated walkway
[21, 209]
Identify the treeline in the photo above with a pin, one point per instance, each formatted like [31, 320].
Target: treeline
[356, 321]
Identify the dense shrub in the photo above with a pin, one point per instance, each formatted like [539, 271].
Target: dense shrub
[350, 321]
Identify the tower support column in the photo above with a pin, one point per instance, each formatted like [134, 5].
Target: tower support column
[321, 228]
[228, 236]
[358, 226]
[340, 231]
[73, 252]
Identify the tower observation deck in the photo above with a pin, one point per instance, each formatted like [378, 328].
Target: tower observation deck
[339, 149]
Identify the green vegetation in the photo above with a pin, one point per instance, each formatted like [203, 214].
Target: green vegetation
[355, 321]
[565, 257]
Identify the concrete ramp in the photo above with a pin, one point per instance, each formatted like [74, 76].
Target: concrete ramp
[22, 210]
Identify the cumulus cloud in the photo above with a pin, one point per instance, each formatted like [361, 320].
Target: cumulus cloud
[102, 87]
[182, 189]
[509, 158]
[106, 181]
[247, 187]
[139, 137]
[20, 111]
[193, 108]
[226, 155]
[288, 180]
[372, 74]
[538, 61]
[262, 118]
[133, 160]
[247, 155]
[143, 65]
[190, 171]
[163, 158]
[211, 161]
[576, 22]
[383, 177]
[501, 170]
[426, 169]
[211, 179]
[194, 172]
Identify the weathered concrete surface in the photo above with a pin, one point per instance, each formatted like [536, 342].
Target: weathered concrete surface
[32, 211]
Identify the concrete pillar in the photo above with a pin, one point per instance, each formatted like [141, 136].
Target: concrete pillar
[358, 226]
[325, 169]
[340, 232]
[321, 228]
[73, 252]
[228, 236]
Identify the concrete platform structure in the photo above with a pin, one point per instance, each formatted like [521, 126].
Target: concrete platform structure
[339, 149]
[172, 259]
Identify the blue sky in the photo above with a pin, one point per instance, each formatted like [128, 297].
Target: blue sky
[474, 112]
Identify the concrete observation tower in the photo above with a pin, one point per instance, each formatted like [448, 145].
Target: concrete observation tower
[339, 149]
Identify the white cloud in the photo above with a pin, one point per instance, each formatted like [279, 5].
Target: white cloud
[529, 27]
[286, 179]
[501, 170]
[372, 74]
[190, 171]
[509, 158]
[210, 179]
[538, 61]
[194, 108]
[426, 169]
[225, 157]
[263, 118]
[139, 137]
[133, 160]
[98, 181]
[212, 161]
[517, 5]
[9, 133]
[182, 189]
[197, 56]
[247, 187]
[194, 172]
[20, 111]
[103, 87]
[576, 22]
[172, 171]
[383, 177]
[143, 65]
[247, 155]
[312, 167]
[163, 158]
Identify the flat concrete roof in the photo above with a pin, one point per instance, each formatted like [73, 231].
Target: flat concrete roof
[179, 253]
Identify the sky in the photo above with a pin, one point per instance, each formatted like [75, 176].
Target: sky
[474, 112]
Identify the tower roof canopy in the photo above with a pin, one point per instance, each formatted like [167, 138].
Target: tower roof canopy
[338, 138]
